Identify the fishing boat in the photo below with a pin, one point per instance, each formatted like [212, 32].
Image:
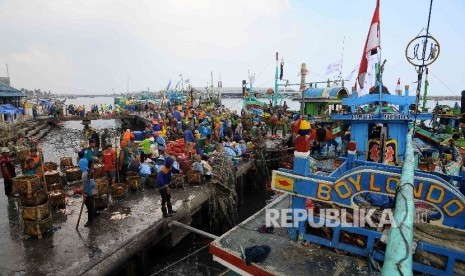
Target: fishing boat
[378, 176]
[211, 99]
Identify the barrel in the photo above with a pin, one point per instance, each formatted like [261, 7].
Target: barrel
[57, 199]
[101, 184]
[52, 177]
[139, 135]
[39, 197]
[73, 174]
[26, 185]
[133, 182]
[99, 170]
[37, 228]
[36, 212]
[66, 162]
[50, 166]
[119, 190]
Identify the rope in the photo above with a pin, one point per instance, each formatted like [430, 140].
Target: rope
[180, 260]
[445, 85]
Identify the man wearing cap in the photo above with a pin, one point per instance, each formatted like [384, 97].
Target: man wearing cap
[8, 171]
[109, 161]
[302, 142]
[163, 179]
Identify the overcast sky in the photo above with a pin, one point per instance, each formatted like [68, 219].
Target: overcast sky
[92, 46]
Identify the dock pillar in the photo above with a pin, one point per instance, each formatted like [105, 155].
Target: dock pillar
[301, 163]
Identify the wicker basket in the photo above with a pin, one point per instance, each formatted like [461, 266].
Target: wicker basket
[36, 213]
[26, 185]
[52, 177]
[66, 162]
[133, 182]
[73, 174]
[55, 187]
[194, 177]
[129, 173]
[57, 199]
[22, 153]
[37, 228]
[38, 198]
[99, 170]
[50, 166]
[177, 180]
[119, 190]
[101, 184]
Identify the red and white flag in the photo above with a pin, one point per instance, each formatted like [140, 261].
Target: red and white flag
[371, 46]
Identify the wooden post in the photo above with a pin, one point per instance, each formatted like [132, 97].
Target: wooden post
[303, 73]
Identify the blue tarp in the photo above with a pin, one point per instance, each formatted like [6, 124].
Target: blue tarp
[8, 108]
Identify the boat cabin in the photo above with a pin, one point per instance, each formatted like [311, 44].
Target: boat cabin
[379, 123]
[320, 102]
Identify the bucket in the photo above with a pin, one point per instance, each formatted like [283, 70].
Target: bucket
[73, 174]
[119, 190]
[52, 177]
[133, 182]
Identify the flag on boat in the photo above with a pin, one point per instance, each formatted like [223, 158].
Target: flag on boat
[168, 86]
[371, 46]
[368, 78]
[334, 68]
[177, 85]
[282, 70]
[398, 90]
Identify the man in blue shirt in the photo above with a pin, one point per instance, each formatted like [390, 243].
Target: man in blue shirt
[189, 140]
[88, 192]
[163, 179]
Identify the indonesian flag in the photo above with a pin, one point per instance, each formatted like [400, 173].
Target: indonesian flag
[371, 45]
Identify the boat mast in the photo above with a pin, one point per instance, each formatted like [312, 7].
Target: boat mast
[220, 89]
[276, 82]
[210, 95]
[425, 94]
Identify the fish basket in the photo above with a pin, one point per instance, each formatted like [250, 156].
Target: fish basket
[55, 187]
[66, 162]
[37, 228]
[98, 169]
[194, 177]
[73, 174]
[38, 198]
[151, 181]
[119, 190]
[57, 199]
[22, 153]
[128, 174]
[177, 180]
[50, 166]
[26, 185]
[36, 213]
[101, 184]
[52, 177]
[133, 182]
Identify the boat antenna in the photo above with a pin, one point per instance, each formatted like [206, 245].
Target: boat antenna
[421, 68]
[342, 59]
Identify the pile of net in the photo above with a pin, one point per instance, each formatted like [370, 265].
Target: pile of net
[223, 203]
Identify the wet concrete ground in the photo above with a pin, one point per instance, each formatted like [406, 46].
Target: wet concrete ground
[96, 250]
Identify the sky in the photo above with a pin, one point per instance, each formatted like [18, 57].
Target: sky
[95, 46]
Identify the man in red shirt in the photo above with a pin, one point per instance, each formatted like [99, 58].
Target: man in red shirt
[109, 160]
[8, 171]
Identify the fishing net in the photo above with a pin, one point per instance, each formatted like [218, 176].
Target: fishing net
[223, 203]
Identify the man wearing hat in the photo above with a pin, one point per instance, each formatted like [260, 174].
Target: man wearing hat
[8, 171]
[163, 179]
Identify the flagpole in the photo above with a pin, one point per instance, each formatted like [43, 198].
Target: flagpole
[342, 58]
[276, 81]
